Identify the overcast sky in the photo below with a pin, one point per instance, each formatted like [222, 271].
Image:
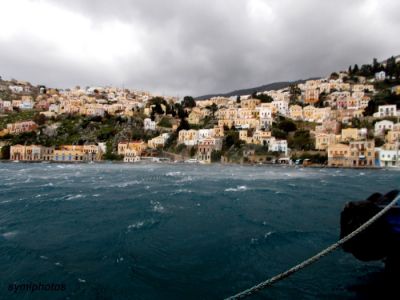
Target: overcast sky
[195, 47]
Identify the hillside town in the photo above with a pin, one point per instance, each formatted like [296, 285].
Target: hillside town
[348, 119]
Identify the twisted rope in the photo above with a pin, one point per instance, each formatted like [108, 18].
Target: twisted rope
[313, 259]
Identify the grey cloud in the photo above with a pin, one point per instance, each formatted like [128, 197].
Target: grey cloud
[198, 47]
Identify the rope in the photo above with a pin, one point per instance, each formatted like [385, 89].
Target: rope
[314, 258]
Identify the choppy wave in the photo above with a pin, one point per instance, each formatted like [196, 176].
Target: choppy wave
[240, 188]
[129, 226]
[10, 234]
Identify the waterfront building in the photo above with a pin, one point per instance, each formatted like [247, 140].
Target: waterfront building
[338, 155]
[388, 158]
[362, 153]
[30, 153]
[206, 147]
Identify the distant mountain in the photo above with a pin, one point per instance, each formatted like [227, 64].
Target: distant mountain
[249, 91]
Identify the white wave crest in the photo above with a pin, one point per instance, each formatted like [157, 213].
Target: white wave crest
[239, 188]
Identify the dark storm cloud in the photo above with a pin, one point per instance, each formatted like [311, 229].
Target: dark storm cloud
[193, 47]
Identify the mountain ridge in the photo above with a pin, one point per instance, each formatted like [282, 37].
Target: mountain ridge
[248, 91]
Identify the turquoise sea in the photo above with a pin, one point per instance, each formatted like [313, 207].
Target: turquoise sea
[174, 231]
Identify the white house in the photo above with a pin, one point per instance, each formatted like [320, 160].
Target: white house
[382, 126]
[386, 111]
[149, 124]
[55, 108]
[265, 112]
[7, 106]
[278, 146]
[265, 116]
[16, 88]
[380, 76]
[387, 158]
[205, 133]
[282, 107]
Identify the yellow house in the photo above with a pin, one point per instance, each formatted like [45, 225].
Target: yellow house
[338, 155]
[260, 137]
[225, 122]
[324, 140]
[248, 123]
[245, 113]
[218, 131]
[69, 155]
[30, 153]
[308, 112]
[250, 103]
[158, 141]
[243, 136]
[18, 152]
[396, 89]
[393, 136]
[311, 95]
[296, 112]
[362, 153]
[188, 137]
[227, 113]
[137, 146]
[321, 114]
[350, 134]
[194, 118]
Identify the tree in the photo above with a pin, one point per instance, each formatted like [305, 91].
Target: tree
[294, 92]
[188, 102]
[171, 140]
[153, 115]
[334, 76]
[301, 140]
[265, 98]
[391, 66]
[180, 111]
[157, 109]
[375, 66]
[321, 100]
[366, 70]
[287, 125]
[184, 125]
[157, 100]
[216, 156]
[231, 139]
[193, 151]
[39, 119]
[212, 108]
[5, 152]
[110, 155]
[355, 69]
[379, 142]
[279, 133]
[165, 122]
[238, 99]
